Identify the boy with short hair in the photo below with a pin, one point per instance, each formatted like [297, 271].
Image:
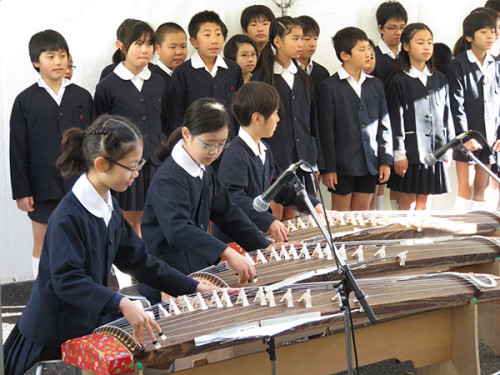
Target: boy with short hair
[255, 21]
[40, 115]
[391, 21]
[247, 167]
[354, 126]
[171, 48]
[206, 74]
[310, 29]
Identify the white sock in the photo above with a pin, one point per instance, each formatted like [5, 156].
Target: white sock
[394, 205]
[34, 264]
[379, 202]
[478, 206]
[462, 204]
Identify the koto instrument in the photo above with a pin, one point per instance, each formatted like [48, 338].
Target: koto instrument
[372, 225]
[204, 322]
[294, 262]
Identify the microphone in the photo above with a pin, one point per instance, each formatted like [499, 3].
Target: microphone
[261, 202]
[433, 157]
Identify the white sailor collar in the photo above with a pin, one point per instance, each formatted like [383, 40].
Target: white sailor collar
[182, 158]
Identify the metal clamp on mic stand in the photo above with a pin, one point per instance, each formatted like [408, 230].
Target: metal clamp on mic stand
[468, 153]
[347, 282]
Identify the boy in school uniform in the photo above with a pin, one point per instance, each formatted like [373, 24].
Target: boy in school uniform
[255, 21]
[171, 48]
[247, 167]
[391, 20]
[40, 115]
[206, 74]
[354, 127]
[317, 72]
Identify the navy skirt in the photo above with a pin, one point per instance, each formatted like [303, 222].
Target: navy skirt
[20, 354]
[134, 197]
[421, 179]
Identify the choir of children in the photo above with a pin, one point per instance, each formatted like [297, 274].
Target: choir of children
[370, 123]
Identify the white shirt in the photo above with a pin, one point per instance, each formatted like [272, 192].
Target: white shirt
[356, 86]
[307, 68]
[182, 158]
[288, 74]
[165, 68]
[258, 149]
[127, 75]
[57, 97]
[486, 64]
[384, 48]
[421, 75]
[91, 200]
[197, 63]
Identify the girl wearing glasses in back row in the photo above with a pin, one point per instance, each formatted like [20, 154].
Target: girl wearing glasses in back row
[185, 195]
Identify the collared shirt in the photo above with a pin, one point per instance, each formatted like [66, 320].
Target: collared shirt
[182, 158]
[91, 200]
[487, 60]
[307, 68]
[138, 80]
[197, 63]
[356, 86]
[258, 149]
[165, 68]
[421, 75]
[288, 74]
[57, 97]
[384, 48]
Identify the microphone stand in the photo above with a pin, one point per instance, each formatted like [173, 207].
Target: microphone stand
[464, 150]
[347, 282]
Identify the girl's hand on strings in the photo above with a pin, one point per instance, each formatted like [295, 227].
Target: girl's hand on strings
[278, 231]
[241, 265]
[139, 320]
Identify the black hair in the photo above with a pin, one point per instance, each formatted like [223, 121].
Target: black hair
[478, 19]
[253, 13]
[206, 16]
[403, 59]
[309, 25]
[442, 57]
[118, 56]
[280, 27]
[390, 9]
[345, 40]
[372, 45]
[253, 97]
[167, 28]
[493, 4]
[43, 41]
[233, 45]
[204, 115]
[135, 32]
[109, 136]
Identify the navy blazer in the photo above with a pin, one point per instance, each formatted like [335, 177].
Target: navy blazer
[176, 220]
[384, 67]
[295, 137]
[318, 74]
[243, 173]
[70, 297]
[163, 74]
[355, 133]
[114, 95]
[37, 125]
[474, 99]
[190, 84]
[420, 115]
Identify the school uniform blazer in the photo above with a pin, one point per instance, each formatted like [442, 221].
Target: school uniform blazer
[474, 98]
[318, 74]
[190, 84]
[420, 115]
[384, 67]
[176, 220]
[243, 173]
[114, 95]
[294, 137]
[163, 74]
[70, 297]
[355, 133]
[37, 124]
